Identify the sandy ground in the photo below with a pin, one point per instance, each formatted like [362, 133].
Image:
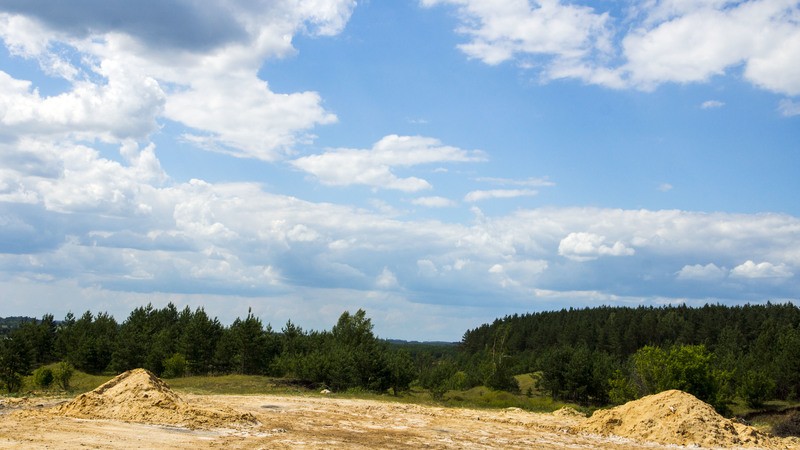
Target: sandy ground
[310, 422]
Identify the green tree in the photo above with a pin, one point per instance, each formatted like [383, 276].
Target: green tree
[684, 367]
[353, 335]
[15, 361]
[133, 340]
[400, 368]
[786, 363]
[756, 387]
[199, 340]
[436, 378]
[250, 345]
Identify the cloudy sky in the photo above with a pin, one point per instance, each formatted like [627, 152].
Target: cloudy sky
[439, 163]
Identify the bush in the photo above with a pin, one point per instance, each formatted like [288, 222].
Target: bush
[43, 377]
[621, 389]
[175, 366]
[790, 426]
[756, 388]
[63, 374]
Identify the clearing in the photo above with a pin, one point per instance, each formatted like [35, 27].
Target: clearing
[137, 410]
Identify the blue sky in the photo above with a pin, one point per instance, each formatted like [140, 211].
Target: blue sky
[439, 163]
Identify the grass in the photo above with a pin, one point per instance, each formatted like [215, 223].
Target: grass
[478, 397]
[79, 383]
[236, 385]
[483, 397]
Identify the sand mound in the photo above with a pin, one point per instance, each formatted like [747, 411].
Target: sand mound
[139, 396]
[673, 417]
[566, 411]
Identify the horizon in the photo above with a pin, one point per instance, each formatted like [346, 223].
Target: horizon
[437, 163]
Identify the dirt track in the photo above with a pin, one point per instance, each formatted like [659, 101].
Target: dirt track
[310, 422]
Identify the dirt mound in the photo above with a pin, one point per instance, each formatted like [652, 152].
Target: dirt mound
[140, 396]
[674, 417]
[566, 411]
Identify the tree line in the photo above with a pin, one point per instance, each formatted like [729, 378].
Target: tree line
[174, 343]
[614, 354]
[590, 356]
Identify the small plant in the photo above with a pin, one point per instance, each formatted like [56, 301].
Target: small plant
[43, 377]
[63, 374]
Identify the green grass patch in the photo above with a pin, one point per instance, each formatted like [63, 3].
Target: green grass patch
[79, 383]
[235, 385]
[483, 397]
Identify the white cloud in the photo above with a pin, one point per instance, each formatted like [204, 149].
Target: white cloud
[427, 267]
[502, 30]
[581, 246]
[124, 107]
[202, 73]
[751, 270]
[708, 272]
[497, 268]
[696, 42]
[480, 195]
[272, 125]
[654, 42]
[434, 202]
[789, 108]
[665, 187]
[72, 214]
[386, 279]
[375, 167]
[712, 104]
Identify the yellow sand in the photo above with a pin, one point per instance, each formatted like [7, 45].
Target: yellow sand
[139, 396]
[674, 417]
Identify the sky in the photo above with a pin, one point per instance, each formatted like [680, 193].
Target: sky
[437, 163]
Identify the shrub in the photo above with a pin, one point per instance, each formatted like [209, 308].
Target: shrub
[755, 388]
[63, 374]
[43, 377]
[175, 366]
[621, 389]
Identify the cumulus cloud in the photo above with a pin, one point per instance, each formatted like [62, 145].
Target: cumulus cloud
[386, 279]
[583, 246]
[651, 43]
[480, 195]
[376, 167]
[124, 107]
[499, 31]
[118, 225]
[129, 73]
[708, 272]
[751, 270]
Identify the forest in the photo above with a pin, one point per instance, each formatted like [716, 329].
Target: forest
[594, 356]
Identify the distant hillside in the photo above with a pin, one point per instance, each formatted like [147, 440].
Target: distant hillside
[620, 331]
[9, 323]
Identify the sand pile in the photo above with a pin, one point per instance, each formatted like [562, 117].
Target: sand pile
[566, 411]
[674, 417]
[139, 396]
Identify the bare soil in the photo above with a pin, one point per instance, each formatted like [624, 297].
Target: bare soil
[140, 412]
